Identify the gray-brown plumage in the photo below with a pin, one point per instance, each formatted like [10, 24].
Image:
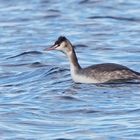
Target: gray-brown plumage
[109, 72]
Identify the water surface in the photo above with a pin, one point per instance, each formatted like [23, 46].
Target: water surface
[38, 99]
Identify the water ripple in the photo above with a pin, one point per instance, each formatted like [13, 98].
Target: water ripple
[116, 18]
[26, 53]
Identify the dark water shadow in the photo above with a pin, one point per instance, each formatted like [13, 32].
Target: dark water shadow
[88, 1]
[110, 84]
[37, 64]
[55, 70]
[116, 18]
[62, 139]
[75, 111]
[67, 98]
[26, 53]
[121, 112]
[32, 65]
[119, 84]
[80, 46]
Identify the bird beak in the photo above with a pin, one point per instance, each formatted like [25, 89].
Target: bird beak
[51, 48]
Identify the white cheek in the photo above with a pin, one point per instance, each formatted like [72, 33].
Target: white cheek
[61, 47]
[58, 48]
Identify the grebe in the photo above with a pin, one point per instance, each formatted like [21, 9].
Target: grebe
[99, 73]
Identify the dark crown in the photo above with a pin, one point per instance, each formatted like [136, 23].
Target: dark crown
[60, 40]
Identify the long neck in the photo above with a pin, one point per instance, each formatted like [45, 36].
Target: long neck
[73, 60]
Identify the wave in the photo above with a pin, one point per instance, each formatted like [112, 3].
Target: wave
[26, 53]
[116, 18]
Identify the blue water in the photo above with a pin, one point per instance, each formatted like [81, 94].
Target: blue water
[38, 99]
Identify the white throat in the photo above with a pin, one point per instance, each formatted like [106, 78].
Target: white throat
[76, 72]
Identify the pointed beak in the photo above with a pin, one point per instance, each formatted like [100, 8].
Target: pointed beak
[51, 48]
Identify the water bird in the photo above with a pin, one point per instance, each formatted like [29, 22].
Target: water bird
[98, 73]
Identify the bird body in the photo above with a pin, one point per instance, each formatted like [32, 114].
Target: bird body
[99, 73]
